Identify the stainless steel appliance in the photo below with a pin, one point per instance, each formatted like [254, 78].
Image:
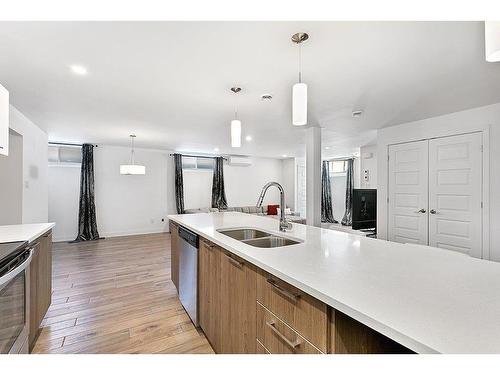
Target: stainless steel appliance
[15, 258]
[188, 272]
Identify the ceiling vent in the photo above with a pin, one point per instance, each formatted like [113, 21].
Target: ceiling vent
[241, 161]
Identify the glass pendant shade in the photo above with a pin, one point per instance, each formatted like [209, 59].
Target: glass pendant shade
[492, 41]
[299, 104]
[132, 169]
[236, 133]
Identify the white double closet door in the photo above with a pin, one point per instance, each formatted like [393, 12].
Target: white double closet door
[435, 190]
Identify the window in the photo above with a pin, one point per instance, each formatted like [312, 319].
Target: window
[197, 163]
[337, 167]
[65, 155]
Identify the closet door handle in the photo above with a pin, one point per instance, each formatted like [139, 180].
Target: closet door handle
[433, 211]
[421, 211]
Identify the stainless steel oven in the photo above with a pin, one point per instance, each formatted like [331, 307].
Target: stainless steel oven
[15, 261]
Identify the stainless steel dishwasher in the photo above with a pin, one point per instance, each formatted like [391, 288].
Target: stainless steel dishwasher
[188, 272]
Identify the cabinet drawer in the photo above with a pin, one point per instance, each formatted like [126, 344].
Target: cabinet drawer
[277, 337]
[260, 348]
[303, 313]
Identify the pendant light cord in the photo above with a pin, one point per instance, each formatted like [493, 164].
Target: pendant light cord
[300, 63]
[132, 161]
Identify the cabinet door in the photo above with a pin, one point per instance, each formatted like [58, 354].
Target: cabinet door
[4, 121]
[455, 189]
[408, 192]
[174, 254]
[238, 305]
[209, 292]
[34, 313]
[44, 290]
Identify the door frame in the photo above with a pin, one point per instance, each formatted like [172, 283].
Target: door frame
[485, 191]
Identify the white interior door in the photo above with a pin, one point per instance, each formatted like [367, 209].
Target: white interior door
[455, 185]
[408, 192]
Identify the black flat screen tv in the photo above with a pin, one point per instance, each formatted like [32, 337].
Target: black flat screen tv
[364, 209]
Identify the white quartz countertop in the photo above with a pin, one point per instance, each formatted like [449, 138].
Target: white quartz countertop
[429, 300]
[23, 232]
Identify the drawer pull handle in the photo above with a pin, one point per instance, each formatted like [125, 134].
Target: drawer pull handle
[291, 344]
[235, 262]
[286, 293]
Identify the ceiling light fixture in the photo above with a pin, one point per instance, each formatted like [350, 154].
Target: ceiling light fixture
[299, 91]
[216, 149]
[235, 124]
[284, 155]
[248, 138]
[492, 40]
[327, 148]
[266, 97]
[132, 168]
[78, 69]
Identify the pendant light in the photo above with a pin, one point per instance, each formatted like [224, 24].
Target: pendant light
[132, 168]
[299, 91]
[492, 40]
[235, 124]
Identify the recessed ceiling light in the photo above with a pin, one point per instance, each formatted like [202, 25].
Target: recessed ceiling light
[248, 138]
[78, 69]
[216, 149]
[357, 113]
[327, 148]
[285, 155]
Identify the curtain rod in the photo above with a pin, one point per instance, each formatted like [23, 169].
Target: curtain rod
[69, 144]
[340, 159]
[200, 156]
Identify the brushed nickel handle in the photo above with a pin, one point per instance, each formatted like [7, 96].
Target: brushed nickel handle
[421, 211]
[234, 261]
[433, 211]
[291, 344]
[283, 291]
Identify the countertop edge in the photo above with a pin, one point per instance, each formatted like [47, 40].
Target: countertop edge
[338, 305]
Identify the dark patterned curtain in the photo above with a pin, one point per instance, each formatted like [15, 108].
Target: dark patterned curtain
[87, 224]
[218, 193]
[179, 184]
[347, 219]
[326, 196]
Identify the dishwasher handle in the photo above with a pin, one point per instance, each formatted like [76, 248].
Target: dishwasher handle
[188, 236]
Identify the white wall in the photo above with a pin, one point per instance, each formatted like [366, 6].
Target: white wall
[11, 187]
[124, 204]
[289, 181]
[35, 168]
[368, 161]
[478, 119]
[243, 184]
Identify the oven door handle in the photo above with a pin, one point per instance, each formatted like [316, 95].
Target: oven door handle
[16, 271]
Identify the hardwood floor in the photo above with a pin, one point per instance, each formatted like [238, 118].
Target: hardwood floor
[116, 296]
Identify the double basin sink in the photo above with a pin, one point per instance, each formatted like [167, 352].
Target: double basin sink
[258, 238]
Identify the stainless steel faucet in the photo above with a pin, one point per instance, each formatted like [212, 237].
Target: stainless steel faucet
[284, 224]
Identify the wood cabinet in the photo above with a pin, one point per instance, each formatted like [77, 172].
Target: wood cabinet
[209, 292]
[237, 304]
[243, 309]
[276, 337]
[348, 336]
[4, 121]
[305, 314]
[40, 283]
[174, 253]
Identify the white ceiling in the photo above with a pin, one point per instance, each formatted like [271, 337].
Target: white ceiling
[168, 82]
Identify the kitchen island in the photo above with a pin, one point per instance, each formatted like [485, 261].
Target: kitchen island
[425, 299]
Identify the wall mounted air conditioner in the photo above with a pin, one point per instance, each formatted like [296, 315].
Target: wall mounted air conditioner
[241, 161]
